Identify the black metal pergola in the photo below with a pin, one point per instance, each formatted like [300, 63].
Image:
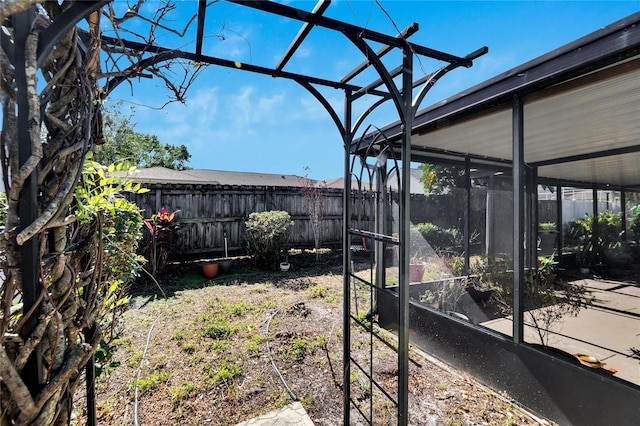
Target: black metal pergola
[396, 85]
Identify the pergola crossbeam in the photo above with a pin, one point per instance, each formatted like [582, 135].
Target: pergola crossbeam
[333, 24]
[319, 9]
[211, 60]
[406, 33]
[202, 11]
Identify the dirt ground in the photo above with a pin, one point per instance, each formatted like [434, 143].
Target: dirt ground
[221, 351]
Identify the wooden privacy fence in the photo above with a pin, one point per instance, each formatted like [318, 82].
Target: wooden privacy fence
[209, 212]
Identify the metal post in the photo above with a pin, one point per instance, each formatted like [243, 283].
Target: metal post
[405, 222]
[30, 266]
[467, 213]
[346, 265]
[518, 219]
[623, 211]
[532, 191]
[489, 229]
[381, 228]
[90, 378]
[595, 228]
[559, 240]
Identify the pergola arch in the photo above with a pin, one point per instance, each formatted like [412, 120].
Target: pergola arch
[402, 97]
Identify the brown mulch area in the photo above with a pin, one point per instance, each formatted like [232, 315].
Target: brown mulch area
[222, 351]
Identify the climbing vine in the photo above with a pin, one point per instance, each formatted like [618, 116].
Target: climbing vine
[64, 272]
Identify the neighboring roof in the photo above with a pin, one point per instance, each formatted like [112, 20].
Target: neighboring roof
[581, 113]
[161, 175]
[415, 185]
[338, 183]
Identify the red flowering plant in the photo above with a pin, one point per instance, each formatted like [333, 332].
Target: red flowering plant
[164, 236]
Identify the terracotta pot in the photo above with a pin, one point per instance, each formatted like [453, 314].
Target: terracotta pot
[210, 270]
[416, 272]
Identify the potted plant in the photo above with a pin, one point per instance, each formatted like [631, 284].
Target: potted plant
[225, 264]
[417, 261]
[547, 235]
[285, 265]
[429, 297]
[210, 269]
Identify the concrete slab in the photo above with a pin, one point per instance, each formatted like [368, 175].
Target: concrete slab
[596, 284]
[292, 414]
[598, 331]
[607, 294]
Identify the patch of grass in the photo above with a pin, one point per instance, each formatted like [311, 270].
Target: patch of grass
[280, 399]
[253, 345]
[306, 403]
[206, 317]
[321, 341]
[195, 360]
[188, 347]
[180, 393]
[134, 360]
[296, 350]
[177, 336]
[218, 346]
[152, 382]
[224, 374]
[318, 291]
[268, 304]
[220, 330]
[240, 308]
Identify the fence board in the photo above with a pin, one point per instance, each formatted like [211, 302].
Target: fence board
[209, 212]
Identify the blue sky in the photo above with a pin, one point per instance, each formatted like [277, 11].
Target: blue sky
[236, 120]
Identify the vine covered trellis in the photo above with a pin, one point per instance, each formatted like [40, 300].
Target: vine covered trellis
[55, 282]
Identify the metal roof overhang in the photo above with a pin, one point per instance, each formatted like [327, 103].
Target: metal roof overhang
[581, 114]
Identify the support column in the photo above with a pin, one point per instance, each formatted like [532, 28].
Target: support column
[28, 205]
[532, 216]
[518, 219]
[467, 213]
[405, 223]
[381, 228]
[623, 212]
[346, 265]
[596, 231]
[559, 239]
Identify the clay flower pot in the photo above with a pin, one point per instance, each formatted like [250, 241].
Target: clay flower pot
[416, 271]
[210, 270]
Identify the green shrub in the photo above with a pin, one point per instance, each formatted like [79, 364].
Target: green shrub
[439, 238]
[547, 226]
[634, 223]
[267, 236]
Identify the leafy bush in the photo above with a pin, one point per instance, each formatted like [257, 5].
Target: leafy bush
[267, 236]
[635, 223]
[100, 207]
[439, 238]
[593, 247]
[163, 239]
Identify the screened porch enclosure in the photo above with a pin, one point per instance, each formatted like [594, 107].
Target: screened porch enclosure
[524, 226]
